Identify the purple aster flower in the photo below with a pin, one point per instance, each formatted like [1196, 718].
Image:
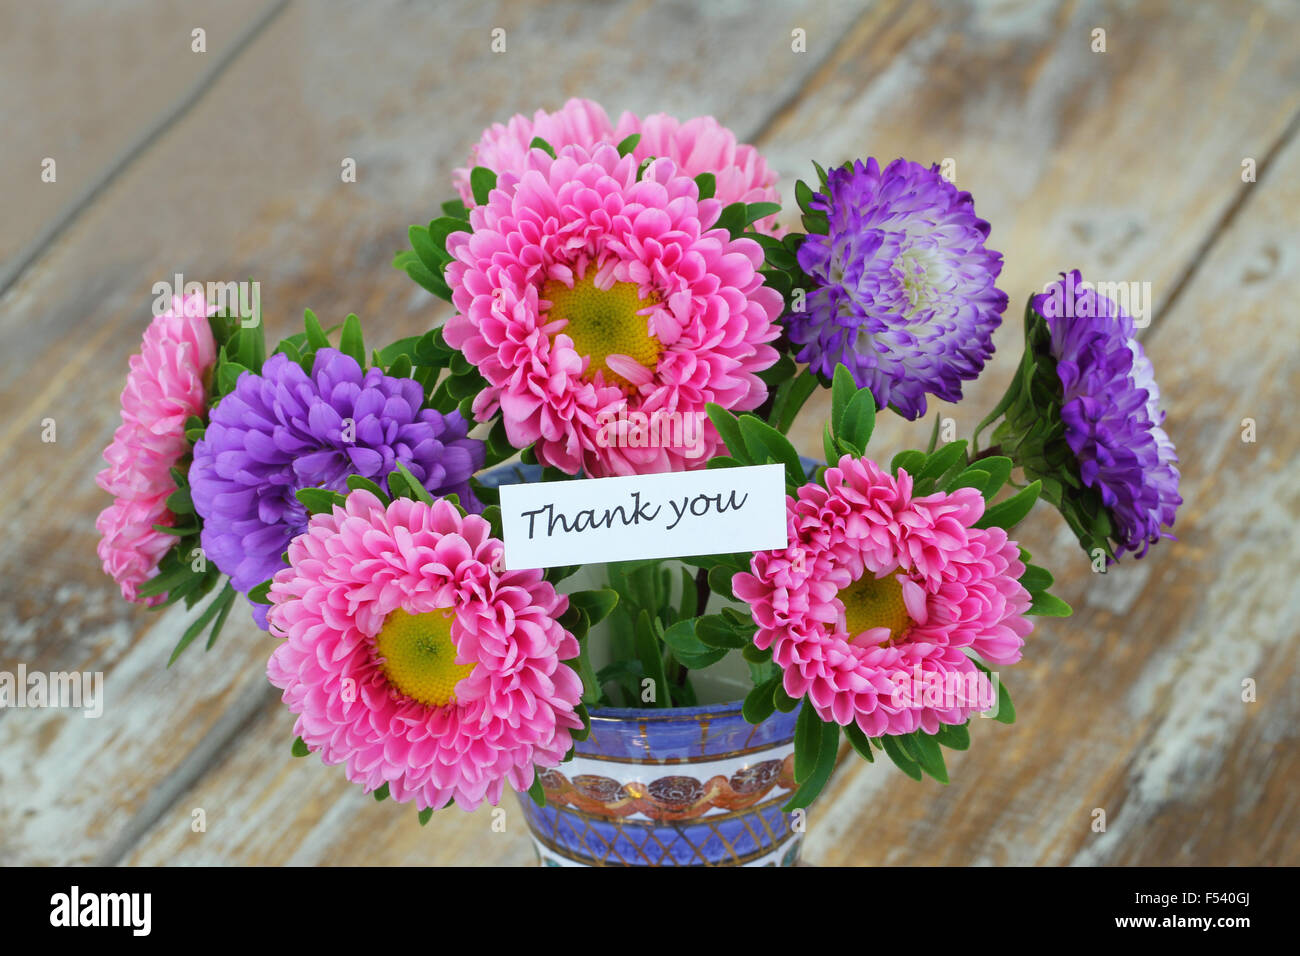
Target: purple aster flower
[905, 292]
[283, 430]
[1111, 410]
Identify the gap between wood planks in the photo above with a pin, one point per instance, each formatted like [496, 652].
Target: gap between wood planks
[258, 697]
[1226, 219]
[26, 257]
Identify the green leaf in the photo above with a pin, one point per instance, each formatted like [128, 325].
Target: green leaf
[318, 500]
[859, 419]
[910, 461]
[316, 337]
[350, 340]
[650, 655]
[781, 700]
[715, 631]
[999, 469]
[430, 253]
[923, 748]
[828, 446]
[732, 219]
[760, 210]
[481, 182]
[179, 531]
[543, 145]
[441, 228]
[720, 582]
[199, 623]
[425, 816]
[707, 183]
[807, 742]
[166, 580]
[455, 208]
[775, 374]
[1036, 578]
[860, 742]
[969, 478]
[939, 463]
[410, 263]
[299, 748]
[536, 792]
[765, 443]
[954, 736]
[729, 430]
[381, 794]
[759, 703]
[359, 483]
[1049, 605]
[262, 593]
[790, 398]
[803, 195]
[228, 376]
[1006, 710]
[843, 389]
[629, 143]
[583, 732]
[827, 751]
[1008, 514]
[224, 613]
[597, 604]
[420, 492]
[689, 649]
[900, 758]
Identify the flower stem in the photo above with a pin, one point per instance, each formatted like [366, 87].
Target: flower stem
[702, 591]
[989, 452]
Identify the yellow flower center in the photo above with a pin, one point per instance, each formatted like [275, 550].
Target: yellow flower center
[875, 602]
[604, 322]
[418, 657]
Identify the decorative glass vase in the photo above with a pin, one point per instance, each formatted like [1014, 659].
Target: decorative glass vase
[688, 786]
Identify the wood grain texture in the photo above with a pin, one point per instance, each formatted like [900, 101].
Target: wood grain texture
[85, 85]
[1126, 164]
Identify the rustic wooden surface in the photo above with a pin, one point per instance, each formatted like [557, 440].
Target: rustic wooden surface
[226, 164]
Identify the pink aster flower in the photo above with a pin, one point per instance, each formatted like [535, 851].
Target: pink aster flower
[414, 662]
[587, 296]
[504, 147]
[703, 145]
[877, 604]
[699, 145]
[164, 387]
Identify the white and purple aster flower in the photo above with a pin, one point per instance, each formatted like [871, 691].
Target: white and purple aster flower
[905, 292]
[285, 430]
[1111, 410]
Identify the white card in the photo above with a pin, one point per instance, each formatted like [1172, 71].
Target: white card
[593, 520]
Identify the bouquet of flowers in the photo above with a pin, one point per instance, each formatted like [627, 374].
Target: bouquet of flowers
[608, 277]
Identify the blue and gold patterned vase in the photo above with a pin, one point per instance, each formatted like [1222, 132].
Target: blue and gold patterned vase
[690, 786]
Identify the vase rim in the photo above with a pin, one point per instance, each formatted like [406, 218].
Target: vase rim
[665, 713]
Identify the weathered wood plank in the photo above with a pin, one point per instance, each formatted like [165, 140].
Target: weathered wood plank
[248, 185]
[85, 83]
